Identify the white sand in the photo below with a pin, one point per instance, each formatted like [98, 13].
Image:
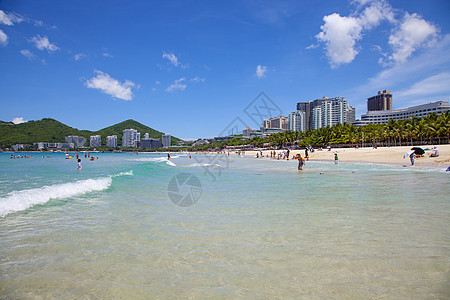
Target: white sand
[382, 155]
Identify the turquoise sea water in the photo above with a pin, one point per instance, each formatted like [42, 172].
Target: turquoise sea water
[258, 229]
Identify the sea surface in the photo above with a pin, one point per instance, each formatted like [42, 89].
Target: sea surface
[214, 226]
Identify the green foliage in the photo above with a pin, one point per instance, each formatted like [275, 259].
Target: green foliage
[119, 127]
[52, 131]
[432, 129]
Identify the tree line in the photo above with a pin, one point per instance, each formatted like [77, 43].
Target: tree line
[433, 129]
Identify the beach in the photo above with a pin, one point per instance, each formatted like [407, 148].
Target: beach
[257, 228]
[380, 155]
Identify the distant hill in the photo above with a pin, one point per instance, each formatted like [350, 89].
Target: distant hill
[53, 131]
[119, 127]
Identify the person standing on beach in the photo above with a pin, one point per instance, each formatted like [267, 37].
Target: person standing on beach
[306, 153]
[411, 158]
[336, 159]
[300, 162]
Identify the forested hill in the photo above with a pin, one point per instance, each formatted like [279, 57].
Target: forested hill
[119, 127]
[53, 131]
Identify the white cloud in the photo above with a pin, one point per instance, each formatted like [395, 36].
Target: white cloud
[172, 58]
[340, 35]
[9, 18]
[79, 56]
[374, 14]
[177, 85]
[18, 120]
[173, 61]
[403, 78]
[42, 43]
[197, 79]
[413, 33]
[111, 86]
[3, 38]
[106, 54]
[436, 84]
[27, 53]
[261, 71]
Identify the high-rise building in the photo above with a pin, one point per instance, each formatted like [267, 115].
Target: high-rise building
[351, 114]
[297, 120]
[111, 141]
[95, 141]
[78, 141]
[280, 122]
[382, 101]
[166, 140]
[130, 138]
[326, 112]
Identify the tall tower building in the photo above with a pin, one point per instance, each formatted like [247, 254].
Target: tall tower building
[326, 112]
[95, 141]
[297, 121]
[130, 138]
[166, 140]
[111, 141]
[382, 101]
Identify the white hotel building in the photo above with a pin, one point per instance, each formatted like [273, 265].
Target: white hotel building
[420, 111]
[95, 141]
[111, 141]
[297, 121]
[130, 138]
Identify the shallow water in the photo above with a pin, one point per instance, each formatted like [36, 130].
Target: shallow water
[258, 229]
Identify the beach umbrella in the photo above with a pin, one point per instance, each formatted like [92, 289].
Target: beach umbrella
[418, 150]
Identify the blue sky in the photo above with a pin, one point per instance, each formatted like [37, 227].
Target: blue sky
[192, 67]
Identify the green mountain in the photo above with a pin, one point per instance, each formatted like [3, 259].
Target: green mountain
[119, 127]
[52, 131]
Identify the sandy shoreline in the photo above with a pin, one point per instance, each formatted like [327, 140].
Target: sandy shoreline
[381, 155]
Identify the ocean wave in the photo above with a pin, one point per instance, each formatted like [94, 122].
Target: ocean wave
[156, 159]
[204, 165]
[21, 200]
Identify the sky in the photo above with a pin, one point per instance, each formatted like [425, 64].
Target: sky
[199, 69]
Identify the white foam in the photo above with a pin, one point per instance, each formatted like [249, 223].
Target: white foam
[22, 200]
[157, 159]
[170, 163]
[204, 165]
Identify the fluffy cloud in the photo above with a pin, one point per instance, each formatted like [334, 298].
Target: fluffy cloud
[9, 18]
[18, 120]
[413, 33]
[177, 85]
[340, 35]
[27, 53]
[172, 58]
[261, 71]
[3, 38]
[42, 43]
[108, 85]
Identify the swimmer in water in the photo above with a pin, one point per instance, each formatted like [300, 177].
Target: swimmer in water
[79, 165]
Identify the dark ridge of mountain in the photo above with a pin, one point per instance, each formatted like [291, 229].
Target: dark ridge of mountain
[117, 129]
[52, 131]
